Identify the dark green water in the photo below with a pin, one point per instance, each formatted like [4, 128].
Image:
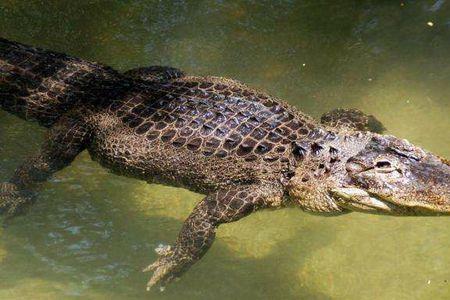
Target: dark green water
[90, 232]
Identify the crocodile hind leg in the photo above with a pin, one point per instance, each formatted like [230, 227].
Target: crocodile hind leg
[67, 138]
[198, 231]
[352, 119]
[155, 73]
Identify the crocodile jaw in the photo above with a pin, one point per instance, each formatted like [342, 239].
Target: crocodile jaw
[357, 199]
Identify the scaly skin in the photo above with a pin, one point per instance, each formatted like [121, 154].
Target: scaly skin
[242, 148]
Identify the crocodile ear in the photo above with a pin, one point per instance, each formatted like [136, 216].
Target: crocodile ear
[352, 119]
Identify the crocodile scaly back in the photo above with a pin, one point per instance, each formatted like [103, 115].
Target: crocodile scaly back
[215, 117]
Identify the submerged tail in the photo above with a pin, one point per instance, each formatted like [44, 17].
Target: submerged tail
[41, 85]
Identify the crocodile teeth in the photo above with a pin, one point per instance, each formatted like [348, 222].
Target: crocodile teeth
[359, 200]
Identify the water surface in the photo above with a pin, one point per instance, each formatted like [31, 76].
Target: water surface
[91, 232]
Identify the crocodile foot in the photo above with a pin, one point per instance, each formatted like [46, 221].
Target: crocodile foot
[12, 201]
[167, 267]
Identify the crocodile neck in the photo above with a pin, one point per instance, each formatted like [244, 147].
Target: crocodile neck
[322, 167]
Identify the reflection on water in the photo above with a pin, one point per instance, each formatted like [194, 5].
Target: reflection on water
[91, 232]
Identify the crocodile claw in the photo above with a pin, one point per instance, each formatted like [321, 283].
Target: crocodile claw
[12, 201]
[166, 268]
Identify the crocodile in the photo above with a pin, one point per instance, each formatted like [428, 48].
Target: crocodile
[243, 149]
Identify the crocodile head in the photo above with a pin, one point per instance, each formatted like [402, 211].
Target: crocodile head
[376, 174]
[392, 176]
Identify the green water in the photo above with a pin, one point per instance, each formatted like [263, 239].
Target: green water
[91, 232]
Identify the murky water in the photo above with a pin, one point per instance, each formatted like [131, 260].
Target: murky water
[91, 232]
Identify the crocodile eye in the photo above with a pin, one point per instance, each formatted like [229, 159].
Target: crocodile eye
[383, 164]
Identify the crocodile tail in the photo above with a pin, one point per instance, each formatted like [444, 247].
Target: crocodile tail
[41, 85]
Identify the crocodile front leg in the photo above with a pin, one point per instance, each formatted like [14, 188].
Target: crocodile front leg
[198, 231]
[67, 138]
